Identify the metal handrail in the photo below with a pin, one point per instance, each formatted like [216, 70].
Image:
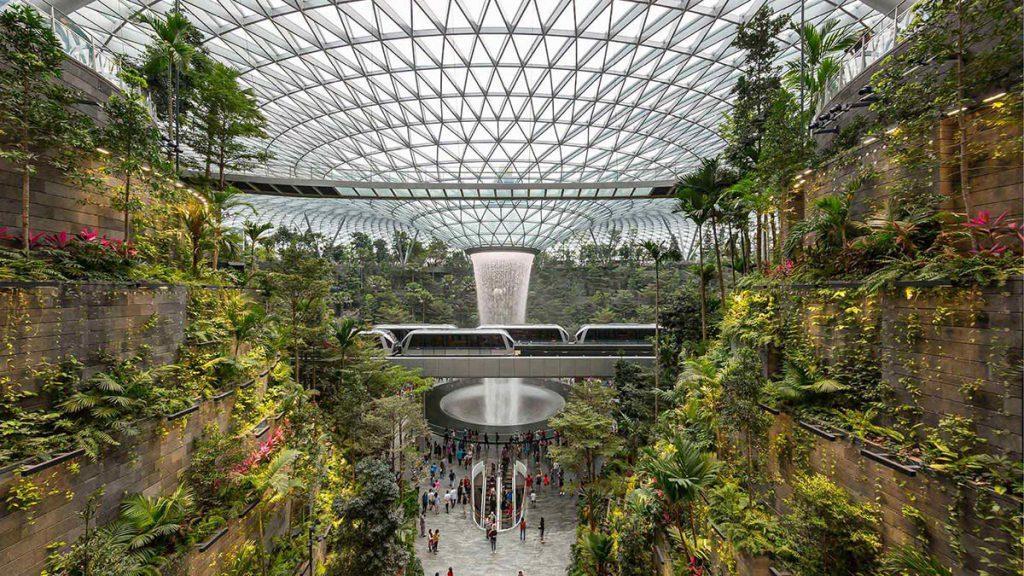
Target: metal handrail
[879, 40]
[80, 46]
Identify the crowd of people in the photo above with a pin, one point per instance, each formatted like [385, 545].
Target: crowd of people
[448, 458]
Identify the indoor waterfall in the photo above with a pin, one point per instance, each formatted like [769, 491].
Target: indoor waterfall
[502, 283]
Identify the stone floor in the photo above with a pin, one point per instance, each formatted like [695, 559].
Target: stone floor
[464, 548]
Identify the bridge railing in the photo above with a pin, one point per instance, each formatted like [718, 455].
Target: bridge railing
[875, 43]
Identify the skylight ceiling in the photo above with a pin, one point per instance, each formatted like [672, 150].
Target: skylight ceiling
[466, 224]
[477, 91]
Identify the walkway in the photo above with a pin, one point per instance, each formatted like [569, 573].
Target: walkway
[464, 548]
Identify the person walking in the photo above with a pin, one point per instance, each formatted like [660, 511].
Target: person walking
[450, 572]
[492, 535]
[426, 500]
[541, 528]
[522, 529]
[423, 524]
[437, 539]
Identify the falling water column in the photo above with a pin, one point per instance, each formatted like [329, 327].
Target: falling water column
[502, 281]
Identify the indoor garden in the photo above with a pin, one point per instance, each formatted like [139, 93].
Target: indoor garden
[524, 288]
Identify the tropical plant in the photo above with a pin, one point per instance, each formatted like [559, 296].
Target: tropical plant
[102, 406]
[826, 234]
[699, 193]
[152, 525]
[821, 59]
[131, 138]
[905, 560]
[171, 53]
[220, 202]
[659, 255]
[195, 222]
[681, 471]
[38, 121]
[829, 532]
[254, 233]
[802, 383]
[271, 484]
[598, 555]
[243, 318]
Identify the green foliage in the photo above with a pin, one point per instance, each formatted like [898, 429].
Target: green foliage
[151, 526]
[828, 533]
[756, 87]
[587, 428]
[907, 561]
[132, 140]
[38, 121]
[747, 525]
[367, 538]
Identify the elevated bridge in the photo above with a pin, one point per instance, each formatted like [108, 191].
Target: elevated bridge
[531, 361]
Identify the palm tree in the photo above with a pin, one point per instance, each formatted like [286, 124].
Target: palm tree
[174, 53]
[254, 232]
[598, 551]
[658, 254]
[150, 525]
[271, 484]
[221, 202]
[681, 475]
[700, 191]
[242, 322]
[694, 204]
[346, 335]
[822, 49]
[194, 221]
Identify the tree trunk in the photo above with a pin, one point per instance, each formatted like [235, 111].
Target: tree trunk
[657, 335]
[757, 241]
[732, 255]
[961, 118]
[703, 288]
[718, 261]
[216, 247]
[127, 199]
[26, 179]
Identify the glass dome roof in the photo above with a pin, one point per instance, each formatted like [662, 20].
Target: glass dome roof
[467, 224]
[506, 91]
[478, 122]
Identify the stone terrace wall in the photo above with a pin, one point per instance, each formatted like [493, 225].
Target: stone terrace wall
[210, 561]
[56, 204]
[996, 183]
[943, 351]
[965, 362]
[46, 323]
[149, 466]
[900, 497]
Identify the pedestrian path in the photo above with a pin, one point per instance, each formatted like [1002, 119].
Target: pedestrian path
[464, 548]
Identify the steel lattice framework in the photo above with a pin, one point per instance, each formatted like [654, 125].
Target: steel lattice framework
[477, 90]
[477, 122]
[468, 224]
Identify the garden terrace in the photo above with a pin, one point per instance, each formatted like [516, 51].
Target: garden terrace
[207, 207]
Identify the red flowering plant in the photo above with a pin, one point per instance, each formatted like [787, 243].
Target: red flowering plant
[85, 255]
[262, 453]
[992, 237]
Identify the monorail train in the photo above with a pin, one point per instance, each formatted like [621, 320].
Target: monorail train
[386, 338]
[615, 334]
[402, 330]
[533, 333]
[459, 342]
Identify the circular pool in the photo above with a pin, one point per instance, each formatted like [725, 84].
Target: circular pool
[502, 405]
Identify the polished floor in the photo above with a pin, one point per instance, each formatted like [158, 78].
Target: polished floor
[463, 546]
